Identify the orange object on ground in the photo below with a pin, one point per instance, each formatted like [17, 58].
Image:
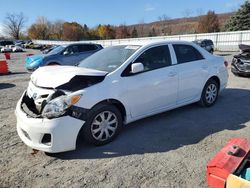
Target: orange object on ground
[227, 161]
[29, 55]
[7, 56]
[4, 67]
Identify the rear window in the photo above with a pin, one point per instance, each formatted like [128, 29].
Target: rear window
[186, 53]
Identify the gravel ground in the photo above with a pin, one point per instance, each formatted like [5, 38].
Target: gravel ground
[167, 150]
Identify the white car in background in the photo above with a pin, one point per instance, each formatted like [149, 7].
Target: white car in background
[6, 49]
[16, 48]
[115, 86]
[11, 48]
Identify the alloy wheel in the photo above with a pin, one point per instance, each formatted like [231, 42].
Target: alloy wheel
[211, 93]
[104, 125]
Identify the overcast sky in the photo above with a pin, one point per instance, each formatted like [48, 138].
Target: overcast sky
[114, 12]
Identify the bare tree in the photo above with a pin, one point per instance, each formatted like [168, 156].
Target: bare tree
[141, 28]
[165, 24]
[209, 23]
[13, 24]
[40, 29]
[186, 14]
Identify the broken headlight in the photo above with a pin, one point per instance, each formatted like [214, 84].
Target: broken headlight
[58, 106]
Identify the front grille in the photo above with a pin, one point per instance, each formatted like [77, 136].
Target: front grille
[29, 107]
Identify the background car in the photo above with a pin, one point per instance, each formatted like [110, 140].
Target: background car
[16, 48]
[6, 49]
[4, 46]
[6, 42]
[207, 44]
[241, 63]
[70, 54]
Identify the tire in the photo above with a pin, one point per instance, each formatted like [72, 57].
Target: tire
[98, 123]
[212, 51]
[209, 93]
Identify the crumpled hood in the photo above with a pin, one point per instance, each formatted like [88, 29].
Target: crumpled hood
[54, 76]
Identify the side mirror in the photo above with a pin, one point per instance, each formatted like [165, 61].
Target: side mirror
[137, 67]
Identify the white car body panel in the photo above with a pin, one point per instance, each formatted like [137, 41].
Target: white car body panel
[43, 76]
[142, 95]
[60, 129]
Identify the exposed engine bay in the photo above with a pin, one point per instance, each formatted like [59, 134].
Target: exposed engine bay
[36, 98]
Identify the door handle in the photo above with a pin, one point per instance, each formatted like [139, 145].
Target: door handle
[172, 74]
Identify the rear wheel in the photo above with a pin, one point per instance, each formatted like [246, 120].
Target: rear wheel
[209, 93]
[103, 125]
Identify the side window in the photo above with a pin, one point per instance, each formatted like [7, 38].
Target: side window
[87, 47]
[186, 53]
[155, 58]
[72, 50]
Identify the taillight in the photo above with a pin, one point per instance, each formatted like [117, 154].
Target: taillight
[226, 63]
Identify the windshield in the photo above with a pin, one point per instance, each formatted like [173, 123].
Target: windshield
[109, 59]
[56, 50]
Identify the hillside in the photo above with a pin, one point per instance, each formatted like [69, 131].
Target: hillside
[174, 26]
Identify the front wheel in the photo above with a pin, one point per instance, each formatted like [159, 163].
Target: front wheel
[209, 93]
[103, 125]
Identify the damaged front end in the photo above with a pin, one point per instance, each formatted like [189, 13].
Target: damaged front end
[40, 102]
[241, 63]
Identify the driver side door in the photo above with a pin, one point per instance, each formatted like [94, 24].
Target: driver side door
[155, 88]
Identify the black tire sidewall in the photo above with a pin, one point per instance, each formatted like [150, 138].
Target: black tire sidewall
[203, 100]
[86, 130]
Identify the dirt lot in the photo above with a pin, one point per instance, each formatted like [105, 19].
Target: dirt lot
[166, 150]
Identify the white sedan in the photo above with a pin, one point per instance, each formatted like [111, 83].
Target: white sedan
[115, 86]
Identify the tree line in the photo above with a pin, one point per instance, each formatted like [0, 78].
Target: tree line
[72, 31]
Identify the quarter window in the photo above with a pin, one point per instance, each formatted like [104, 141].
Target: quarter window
[186, 53]
[155, 58]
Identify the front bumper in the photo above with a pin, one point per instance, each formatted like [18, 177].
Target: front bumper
[63, 131]
[237, 71]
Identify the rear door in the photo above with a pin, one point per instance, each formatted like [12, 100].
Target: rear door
[192, 69]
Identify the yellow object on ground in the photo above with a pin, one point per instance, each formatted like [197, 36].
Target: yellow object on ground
[237, 182]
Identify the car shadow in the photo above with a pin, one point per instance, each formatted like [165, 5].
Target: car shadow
[6, 85]
[17, 73]
[173, 129]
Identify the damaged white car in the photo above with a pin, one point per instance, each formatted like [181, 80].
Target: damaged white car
[115, 86]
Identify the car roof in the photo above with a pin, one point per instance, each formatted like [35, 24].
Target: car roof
[152, 43]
